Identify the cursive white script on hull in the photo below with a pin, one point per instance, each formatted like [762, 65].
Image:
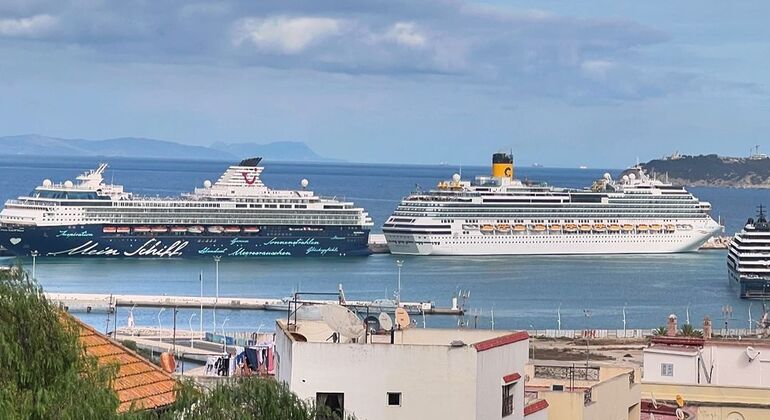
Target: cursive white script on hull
[151, 248]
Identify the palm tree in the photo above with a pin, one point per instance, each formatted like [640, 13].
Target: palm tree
[689, 331]
[660, 331]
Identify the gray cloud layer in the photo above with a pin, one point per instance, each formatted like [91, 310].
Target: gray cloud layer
[529, 52]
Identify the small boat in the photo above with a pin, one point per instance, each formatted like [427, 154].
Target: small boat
[600, 227]
[614, 228]
[656, 228]
[487, 229]
[504, 228]
[554, 228]
[684, 227]
[250, 229]
[519, 228]
[178, 229]
[670, 228]
[109, 229]
[539, 228]
[570, 228]
[142, 229]
[465, 227]
[642, 228]
[195, 229]
[122, 229]
[216, 229]
[232, 229]
[585, 228]
[158, 229]
[628, 228]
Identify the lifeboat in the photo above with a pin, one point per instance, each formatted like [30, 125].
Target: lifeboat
[684, 227]
[158, 229]
[215, 229]
[109, 229]
[554, 228]
[670, 228]
[487, 229]
[656, 228]
[614, 228]
[585, 228]
[570, 228]
[600, 227]
[504, 228]
[142, 229]
[628, 228]
[195, 229]
[642, 228]
[466, 227]
[519, 228]
[178, 229]
[250, 229]
[232, 229]
[539, 228]
[122, 229]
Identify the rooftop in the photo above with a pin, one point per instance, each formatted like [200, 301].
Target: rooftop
[139, 382]
[319, 332]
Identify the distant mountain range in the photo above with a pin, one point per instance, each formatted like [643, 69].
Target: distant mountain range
[135, 147]
[713, 170]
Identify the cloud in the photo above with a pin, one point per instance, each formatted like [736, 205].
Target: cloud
[28, 27]
[283, 34]
[407, 34]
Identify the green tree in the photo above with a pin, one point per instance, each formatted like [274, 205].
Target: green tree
[245, 398]
[44, 372]
[660, 331]
[689, 331]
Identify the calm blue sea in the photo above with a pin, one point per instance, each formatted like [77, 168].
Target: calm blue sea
[524, 292]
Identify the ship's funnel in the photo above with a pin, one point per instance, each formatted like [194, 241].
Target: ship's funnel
[502, 165]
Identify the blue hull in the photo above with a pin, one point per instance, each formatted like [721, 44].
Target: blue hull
[271, 241]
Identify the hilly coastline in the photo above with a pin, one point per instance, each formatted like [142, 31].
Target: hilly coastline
[136, 147]
[713, 170]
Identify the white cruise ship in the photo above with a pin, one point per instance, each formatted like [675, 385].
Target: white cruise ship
[748, 258]
[500, 215]
[236, 216]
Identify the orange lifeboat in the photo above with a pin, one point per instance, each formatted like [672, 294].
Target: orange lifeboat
[109, 229]
[519, 228]
[539, 228]
[642, 228]
[628, 228]
[570, 228]
[554, 228]
[487, 229]
[600, 227]
[585, 228]
[656, 228]
[503, 228]
[614, 228]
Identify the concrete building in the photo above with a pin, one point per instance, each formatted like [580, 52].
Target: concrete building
[715, 378]
[585, 393]
[412, 374]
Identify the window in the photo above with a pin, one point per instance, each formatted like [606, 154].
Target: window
[508, 399]
[334, 401]
[394, 399]
[666, 369]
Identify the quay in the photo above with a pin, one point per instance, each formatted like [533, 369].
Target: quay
[93, 302]
[378, 244]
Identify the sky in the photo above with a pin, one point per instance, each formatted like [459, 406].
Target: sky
[561, 83]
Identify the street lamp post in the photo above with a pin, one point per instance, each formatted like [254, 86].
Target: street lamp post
[192, 333]
[727, 313]
[624, 319]
[34, 255]
[216, 287]
[160, 326]
[224, 337]
[399, 263]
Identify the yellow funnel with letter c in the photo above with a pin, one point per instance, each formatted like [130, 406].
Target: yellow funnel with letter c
[502, 165]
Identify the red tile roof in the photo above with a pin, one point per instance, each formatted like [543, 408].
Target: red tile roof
[501, 341]
[535, 407]
[139, 382]
[513, 377]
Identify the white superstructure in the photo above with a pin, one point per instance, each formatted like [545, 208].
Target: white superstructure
[501, 215]
[748, 258]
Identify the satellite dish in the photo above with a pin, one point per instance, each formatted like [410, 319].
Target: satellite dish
[607, 176]
[342, 320]
[402, 318]
[679, 414]
[304, 183]
[47, 183]
[751, 353]
[679, 400]
[68, 184]
[372, 323]
[386, 323]
[207, 184]
[456, 178]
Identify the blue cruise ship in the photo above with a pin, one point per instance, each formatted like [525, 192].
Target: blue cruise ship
[236, 216]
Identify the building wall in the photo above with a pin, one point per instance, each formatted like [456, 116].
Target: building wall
[742, 403]
[612, 399]
[491, 366]
[434, 381]
[283, 356]
[733, 368]
[563, 405]
[685, 367]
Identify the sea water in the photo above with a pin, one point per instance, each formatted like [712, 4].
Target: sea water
[521, 291]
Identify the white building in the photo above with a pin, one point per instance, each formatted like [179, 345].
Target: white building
[424, 374]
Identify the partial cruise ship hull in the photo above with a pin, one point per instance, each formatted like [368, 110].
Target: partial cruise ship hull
[270, 241]
[549, 244]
